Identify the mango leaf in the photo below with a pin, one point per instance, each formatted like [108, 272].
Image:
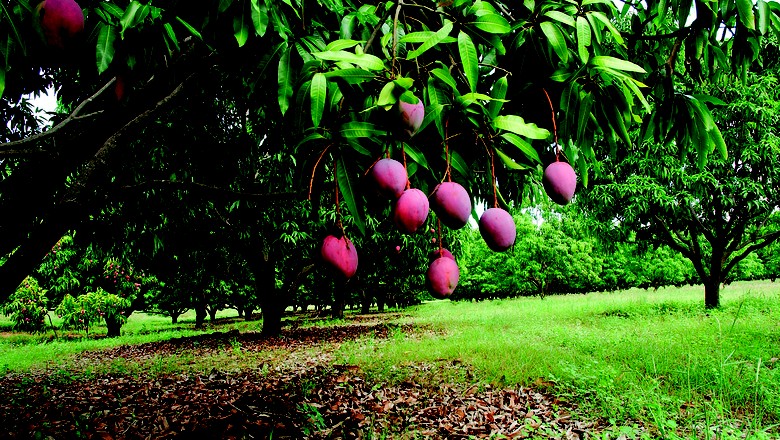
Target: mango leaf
[189, 27]
[319, 92]
[498, 93]
[284, 79]
[169, 32]
[259, 17]
[468, 58]
[612, 29]
[616, 63]
[404, 82]
[523, 146]
[509, 162]
[561, 17]
[416, 155]
[435, 39]
[240, 30]
[460, 165]
[134, 14]
[2, 82]
[492, 24]
[346, 187]
[445, 77]
[364, 60]
[517, 125]
[746, 15]
[105, 46]
[386, 96]
[422, 37]
[556, 39]
[763, 16]
[341, 44]
[351, 75]
[583, 38]
[359, 129]
[112, 9]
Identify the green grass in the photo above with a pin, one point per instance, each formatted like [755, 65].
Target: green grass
[652, 364]
[654, 357]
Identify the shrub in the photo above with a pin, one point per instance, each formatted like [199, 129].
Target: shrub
[27, 307]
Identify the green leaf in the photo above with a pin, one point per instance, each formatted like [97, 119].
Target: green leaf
[2, 82]
[404, 83]
[422, 37]
[556, 39]
[192, 30]
[746, 15]
[498, 93]
[386, 96]
[341, 44]
[435, 39]
[509, 162]
[445, 77]
[366, 61]
[460, 165]
[319, 92]
[416, 155]
[346, 186]
[171, 35]
[359, 129]
[616, 63]
[716, 137]
[492, 24]
[561, 17]
[105, 46]
[517, 125]
[612, 29]
[351, 75]
[240, 30]
[284, 79]
[583, 38]
[763, 16]
[468, 58]
[129, 17]
[259, 17]
[523, 146]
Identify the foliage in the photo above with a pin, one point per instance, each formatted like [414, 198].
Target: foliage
[227, 125]
[715, 214]
[27, 307]
[87, 310]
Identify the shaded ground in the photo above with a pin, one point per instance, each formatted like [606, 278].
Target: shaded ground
[306, 398]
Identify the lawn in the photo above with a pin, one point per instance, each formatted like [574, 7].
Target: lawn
[644, 364]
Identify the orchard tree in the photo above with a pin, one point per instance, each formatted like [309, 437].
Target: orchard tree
[715, 213]
[324, 89]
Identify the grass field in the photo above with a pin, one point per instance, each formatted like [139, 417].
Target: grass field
[652, 364]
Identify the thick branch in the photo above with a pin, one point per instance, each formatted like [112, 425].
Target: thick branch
[767, 240]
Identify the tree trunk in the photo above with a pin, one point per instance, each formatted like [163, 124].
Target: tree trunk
[114, 325]
[212, 315]
[272, 320]
[339, 299]
[174, 318]
[365, 306]
[200, 316]
[711, 294]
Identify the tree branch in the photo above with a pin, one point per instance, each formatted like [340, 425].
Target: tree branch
[74, 116]
[216, 189]
[767, 240]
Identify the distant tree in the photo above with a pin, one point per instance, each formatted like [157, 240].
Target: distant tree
[715, 212]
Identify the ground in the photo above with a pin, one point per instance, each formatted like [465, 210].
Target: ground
[305, 395]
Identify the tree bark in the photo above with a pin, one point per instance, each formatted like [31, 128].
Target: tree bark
[174, 318]
[711, 294]
[114, 325]
[200, 316]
